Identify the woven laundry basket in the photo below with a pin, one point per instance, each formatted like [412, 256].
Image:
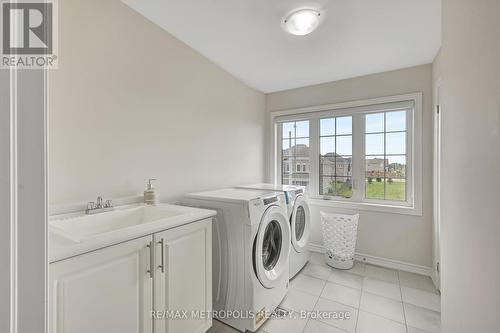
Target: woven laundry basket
[339, 238]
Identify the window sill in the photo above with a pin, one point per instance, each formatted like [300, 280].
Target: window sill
[366, 206]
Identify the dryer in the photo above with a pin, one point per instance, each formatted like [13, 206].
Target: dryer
[299, 216]
[251, 245]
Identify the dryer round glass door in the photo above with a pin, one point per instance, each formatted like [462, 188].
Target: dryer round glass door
[300, 223]
[271, 247]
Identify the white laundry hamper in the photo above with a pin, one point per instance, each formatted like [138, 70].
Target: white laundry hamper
[339, 238]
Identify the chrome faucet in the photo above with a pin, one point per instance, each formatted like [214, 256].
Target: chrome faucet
[100, 202]
[100, 207]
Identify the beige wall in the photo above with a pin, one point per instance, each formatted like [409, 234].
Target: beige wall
[469, 66]
[129, 102]
[400, 237]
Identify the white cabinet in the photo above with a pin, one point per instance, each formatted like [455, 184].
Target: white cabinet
[118, 288]
[107, 290]
[183, 279]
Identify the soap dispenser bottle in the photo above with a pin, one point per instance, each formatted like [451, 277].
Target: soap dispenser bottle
[150, 196]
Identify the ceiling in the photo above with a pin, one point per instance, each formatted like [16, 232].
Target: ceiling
[355, 37]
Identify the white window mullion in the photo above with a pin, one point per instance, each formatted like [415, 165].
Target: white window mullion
[314, 157]
[410, 141]
[278, 167]
[358, 153]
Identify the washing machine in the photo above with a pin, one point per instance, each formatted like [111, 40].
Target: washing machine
[251, 245]
[299, 216]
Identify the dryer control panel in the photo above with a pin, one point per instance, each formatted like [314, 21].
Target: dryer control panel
[271, 200]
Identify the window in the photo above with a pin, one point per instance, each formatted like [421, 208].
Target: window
[335, 158]
[363, 154]
[295, 152]
[385, 155]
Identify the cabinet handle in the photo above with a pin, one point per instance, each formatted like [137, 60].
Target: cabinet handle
[151, 262]
[162, 266]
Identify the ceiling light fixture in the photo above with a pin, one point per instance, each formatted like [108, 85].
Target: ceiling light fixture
[301, 22]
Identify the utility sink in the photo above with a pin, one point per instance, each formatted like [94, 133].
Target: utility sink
[82, 227]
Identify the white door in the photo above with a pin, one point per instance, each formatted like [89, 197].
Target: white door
[272, 247]
[108, 290]
[183, 278]
[300, 223]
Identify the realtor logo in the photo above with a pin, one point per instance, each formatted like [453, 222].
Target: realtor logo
[28, 34]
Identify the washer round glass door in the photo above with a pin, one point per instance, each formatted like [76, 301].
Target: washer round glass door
[300, 222]
[272, 246]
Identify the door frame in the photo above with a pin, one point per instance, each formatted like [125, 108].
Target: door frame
[23, 201]
[436, 212]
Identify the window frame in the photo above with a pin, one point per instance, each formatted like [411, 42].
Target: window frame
[356, 109]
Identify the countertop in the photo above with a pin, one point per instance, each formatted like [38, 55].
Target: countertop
[61, 248]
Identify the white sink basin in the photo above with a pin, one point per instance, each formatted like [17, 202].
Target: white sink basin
[80, 228]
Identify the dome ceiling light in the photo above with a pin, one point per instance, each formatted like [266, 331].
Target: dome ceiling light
[301, 22]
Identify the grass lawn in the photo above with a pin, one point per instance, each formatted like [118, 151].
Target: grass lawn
[395, 190]
[339, 188]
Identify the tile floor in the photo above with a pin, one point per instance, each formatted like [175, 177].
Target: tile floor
[379, 300]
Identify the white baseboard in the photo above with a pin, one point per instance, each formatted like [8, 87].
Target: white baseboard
[383, 262]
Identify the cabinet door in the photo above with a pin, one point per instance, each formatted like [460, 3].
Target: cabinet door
[183, 288]
[108, 290]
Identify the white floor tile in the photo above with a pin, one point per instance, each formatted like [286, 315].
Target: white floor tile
[346, 279]
[422, 318]
[416, 281]
[315, 326]
[358, 268]
[342, 294]
[317, 258]
[335, 310]
[381, 273]
[297, 300]
[307, 284]
[370, 323]
[219, 327]
[421, 298]
[382, 306]
[227, 329]
[317, 271]
[293, 324]
[382, 288]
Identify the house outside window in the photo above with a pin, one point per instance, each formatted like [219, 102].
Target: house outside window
[295, 151]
